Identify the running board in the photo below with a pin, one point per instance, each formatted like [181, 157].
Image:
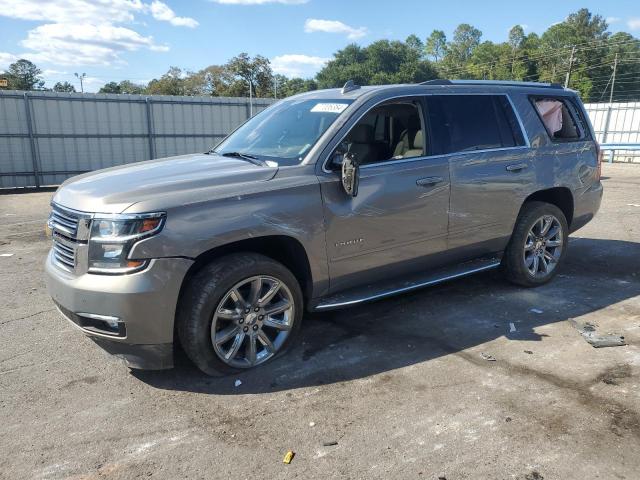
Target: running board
[406, 284]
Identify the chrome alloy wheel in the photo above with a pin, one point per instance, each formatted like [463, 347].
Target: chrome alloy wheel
[543, 246]
[252, 321]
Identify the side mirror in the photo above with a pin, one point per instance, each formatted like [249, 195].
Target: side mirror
[350, 174]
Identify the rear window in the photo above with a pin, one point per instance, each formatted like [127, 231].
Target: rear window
[463, 123]
[557, 118]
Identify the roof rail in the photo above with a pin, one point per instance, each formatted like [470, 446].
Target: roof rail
[437, 81]
[505, 83]
[349, 86]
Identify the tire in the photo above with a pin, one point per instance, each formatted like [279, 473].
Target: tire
[518, 263]
[215, 304]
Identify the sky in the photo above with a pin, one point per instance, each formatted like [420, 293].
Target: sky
[137, 40]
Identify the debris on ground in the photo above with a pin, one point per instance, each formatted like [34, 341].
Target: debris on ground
[533, 476]
[312, 424]
[288, 457]
[536, 310]
[528, 352]
[6, 254]
[487, 357]
[330, 443]
[589, 333]
[238, 383]
[512, 327]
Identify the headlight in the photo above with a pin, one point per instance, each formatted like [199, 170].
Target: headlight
[112, 238]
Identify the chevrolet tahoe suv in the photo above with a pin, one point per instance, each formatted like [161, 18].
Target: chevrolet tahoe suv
[324, 200]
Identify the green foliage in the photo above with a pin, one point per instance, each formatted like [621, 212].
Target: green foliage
[382, 62]
[24, 75]
[64, 87]
[436, 45]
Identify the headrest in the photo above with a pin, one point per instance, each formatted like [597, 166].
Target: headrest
[418, 141]
[361, 133]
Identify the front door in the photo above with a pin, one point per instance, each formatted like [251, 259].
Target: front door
[398, 221]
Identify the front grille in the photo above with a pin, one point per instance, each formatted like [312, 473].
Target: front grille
[64, 252]
[69, 229]
[64, 222]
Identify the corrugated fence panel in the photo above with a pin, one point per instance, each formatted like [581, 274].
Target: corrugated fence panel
[65, 134]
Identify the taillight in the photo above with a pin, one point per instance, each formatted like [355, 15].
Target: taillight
[600, 155]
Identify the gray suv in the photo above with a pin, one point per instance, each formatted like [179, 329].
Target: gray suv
[324, 200]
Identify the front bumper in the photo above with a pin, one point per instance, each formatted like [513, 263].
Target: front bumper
[144, 304]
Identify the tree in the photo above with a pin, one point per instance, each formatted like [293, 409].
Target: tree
[380, 63]
[516, 37]
[247, 71]
[171, 83]
[64, 87]
[436, 45]
[24, 75]
[414, 43]
[125, 86]
[466, 39]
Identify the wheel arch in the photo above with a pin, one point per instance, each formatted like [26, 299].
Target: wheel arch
[561, 197]
[281, 248]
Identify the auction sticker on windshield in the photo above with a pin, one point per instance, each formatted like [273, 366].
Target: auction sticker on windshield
[329, 107]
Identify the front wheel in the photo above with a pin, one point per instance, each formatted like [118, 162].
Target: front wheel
[239, 312]
[538, 245]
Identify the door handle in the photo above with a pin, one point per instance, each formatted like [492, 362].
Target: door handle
[428, 181]
[516, 167]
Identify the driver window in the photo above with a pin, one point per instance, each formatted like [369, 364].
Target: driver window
[390, 131]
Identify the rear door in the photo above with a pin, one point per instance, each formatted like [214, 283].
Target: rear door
[490, 166]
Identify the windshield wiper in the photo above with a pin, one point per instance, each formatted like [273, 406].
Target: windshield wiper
[245, 156]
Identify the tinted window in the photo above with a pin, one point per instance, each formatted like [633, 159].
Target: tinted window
[462, 123]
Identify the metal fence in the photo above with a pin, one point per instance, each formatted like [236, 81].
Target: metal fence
[617, 125]
[47, 137]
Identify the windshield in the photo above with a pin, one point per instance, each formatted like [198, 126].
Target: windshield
[284, 132]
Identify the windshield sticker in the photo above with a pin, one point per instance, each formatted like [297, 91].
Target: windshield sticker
[329, 107]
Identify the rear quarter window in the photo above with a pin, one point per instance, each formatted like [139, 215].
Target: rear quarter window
[561, 118]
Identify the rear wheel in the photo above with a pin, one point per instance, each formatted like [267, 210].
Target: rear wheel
[538, 245]
[239, 312]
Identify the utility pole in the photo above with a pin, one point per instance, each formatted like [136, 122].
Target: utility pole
[613, 79]
[571, 60]
[275, 87]
[250, 100]
[81, 78]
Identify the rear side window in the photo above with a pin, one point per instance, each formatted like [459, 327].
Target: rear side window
[463, 123]
[557, 118]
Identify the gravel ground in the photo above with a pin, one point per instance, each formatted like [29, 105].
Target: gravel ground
[406, 386]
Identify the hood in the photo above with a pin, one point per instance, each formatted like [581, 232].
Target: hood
[115, 189]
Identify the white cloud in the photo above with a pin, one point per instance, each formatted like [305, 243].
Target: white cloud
[333, 26]
[634, 23]
[260, 2]
[72, 11]
[295, 65]
[611, 20]
[87, 32]
[7, 59]
[162, 12]
[84, 44]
